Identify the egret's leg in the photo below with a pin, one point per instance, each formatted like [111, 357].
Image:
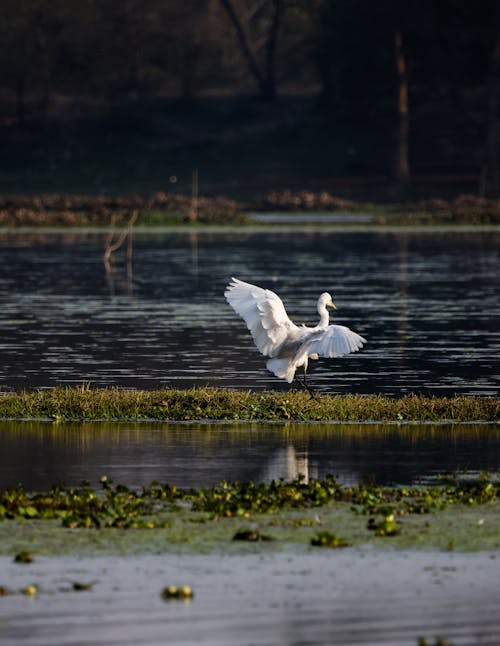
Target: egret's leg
[305, 385]
[308, 387]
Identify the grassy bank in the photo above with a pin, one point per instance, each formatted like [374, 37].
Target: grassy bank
[83, 403]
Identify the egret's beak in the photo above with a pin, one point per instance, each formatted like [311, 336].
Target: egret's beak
[332, 305]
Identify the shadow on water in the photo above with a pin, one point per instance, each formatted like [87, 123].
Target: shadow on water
[39, 454]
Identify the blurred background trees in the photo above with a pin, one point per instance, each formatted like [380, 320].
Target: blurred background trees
[419, 79]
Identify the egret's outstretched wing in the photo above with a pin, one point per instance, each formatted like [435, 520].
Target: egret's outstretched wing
[336, 341]
[263, 312]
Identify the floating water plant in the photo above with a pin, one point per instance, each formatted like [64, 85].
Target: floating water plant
[327, 539]
[385, 527]
[251, 535]
[118, 506]
[80, 586]
[184, 592]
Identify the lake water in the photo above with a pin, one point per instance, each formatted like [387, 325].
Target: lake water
[39, 454]
[354, 597]
[323, 597]
[267, 596]
[428, 302]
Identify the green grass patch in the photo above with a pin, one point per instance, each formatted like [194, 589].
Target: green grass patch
[83, 403]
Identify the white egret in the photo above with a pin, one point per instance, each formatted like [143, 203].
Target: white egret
[289, 346]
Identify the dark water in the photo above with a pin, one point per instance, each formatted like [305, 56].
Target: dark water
[428, 303]
[39, 454]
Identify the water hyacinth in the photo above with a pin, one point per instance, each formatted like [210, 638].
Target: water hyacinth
[327, 539]
[119, 506]
[184, 592]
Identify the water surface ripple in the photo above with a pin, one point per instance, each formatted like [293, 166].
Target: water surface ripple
[428, 303]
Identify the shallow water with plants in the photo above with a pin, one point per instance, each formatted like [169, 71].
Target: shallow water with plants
[264, 557]
[258, 561]
[458, 513]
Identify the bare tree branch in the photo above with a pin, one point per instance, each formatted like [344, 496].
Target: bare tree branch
[254, 10]
[111, 246]
[241, 18]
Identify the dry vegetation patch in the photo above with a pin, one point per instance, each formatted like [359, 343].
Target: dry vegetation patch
[59, 209]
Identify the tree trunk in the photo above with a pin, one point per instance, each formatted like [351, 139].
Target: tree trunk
[271, 52]
[491, 171]
[21, 98]
[402, 166]
[187, 76]
[266, 80]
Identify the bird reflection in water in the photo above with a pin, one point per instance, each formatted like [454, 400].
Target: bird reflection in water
[289, 463]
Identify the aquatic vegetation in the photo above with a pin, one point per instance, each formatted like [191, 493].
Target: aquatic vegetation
[385, 527]
[83, 507]
[174, 592]
[23, 557]
[118, 506]
[327, 539]
[251, 535]
[242, 498]
[85, 403]
[80, 586]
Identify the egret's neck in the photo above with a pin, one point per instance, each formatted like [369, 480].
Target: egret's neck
[324, 317]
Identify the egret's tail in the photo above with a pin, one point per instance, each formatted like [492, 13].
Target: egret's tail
[282, 368]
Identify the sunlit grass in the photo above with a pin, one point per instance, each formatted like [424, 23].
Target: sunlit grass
[83, 403]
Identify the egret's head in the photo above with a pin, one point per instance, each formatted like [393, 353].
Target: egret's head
[326, 300]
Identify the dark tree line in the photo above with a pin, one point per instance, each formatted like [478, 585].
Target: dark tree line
[372, 61]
